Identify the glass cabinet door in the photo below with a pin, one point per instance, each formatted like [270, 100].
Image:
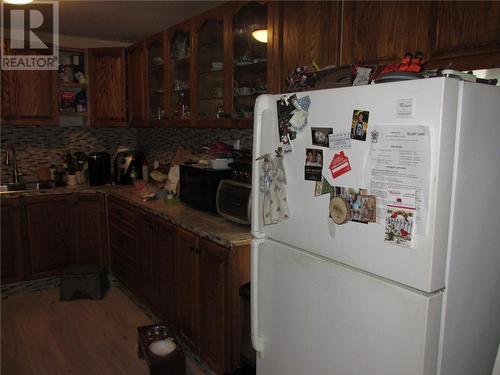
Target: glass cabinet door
[249, 58]
[210, 70]
[156, 79]
[180, 81]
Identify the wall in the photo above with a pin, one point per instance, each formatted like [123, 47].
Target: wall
[40, 146]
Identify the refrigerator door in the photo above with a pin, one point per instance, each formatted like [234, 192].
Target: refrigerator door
[471, 330]
[357, 244]
[317, 317]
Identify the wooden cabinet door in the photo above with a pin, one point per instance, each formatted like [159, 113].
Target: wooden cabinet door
[165, 255]
[91, 234]
[466, 28]
[310, 32]
[214, 317]
[382, 31]
[136, 90]
[7, 98]
[124, 259]
[107, 86]
[50, 223]
[12, 250]
[146, 252]
[186, 290]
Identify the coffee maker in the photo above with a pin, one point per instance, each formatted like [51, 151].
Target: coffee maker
[125, 163]
[99, 168]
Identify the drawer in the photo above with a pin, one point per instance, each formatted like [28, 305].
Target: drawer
[123, 245]
[122, 213]
[124, 272]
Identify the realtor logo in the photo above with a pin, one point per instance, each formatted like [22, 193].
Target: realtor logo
[30, 36]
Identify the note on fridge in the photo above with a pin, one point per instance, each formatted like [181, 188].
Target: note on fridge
[399, 158]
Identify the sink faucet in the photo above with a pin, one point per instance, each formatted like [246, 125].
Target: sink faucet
[10, 154]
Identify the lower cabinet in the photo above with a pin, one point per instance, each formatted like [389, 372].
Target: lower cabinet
[12, 250]
[214, 305]
[186, 287]
[42, 235]
[50, 230]
[91, 234]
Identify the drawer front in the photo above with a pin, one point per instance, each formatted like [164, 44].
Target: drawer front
[123, 245]
[122, 214]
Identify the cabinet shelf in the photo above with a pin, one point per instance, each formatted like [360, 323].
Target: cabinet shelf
[72, 114]
[73, 85]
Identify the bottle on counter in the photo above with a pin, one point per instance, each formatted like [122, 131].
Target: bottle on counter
[133, 174]
[145, 171]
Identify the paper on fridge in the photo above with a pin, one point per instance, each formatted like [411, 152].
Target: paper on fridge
[399, 159]
[400, 216]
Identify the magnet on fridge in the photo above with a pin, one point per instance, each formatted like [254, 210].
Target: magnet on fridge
[339, 210]
[339, 165]
[359, 125]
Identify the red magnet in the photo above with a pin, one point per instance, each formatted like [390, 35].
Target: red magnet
[339, 165]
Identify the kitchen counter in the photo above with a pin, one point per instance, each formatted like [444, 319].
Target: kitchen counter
[206, 225]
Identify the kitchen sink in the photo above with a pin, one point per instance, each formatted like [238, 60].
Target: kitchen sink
[23, 186]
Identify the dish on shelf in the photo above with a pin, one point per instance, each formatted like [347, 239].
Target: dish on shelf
[158, 61]
[217, 65]
[243, 91]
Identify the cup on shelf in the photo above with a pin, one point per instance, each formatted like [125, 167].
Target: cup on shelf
[217, 65]
[217, 92]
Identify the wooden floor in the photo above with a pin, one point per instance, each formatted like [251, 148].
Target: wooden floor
[41, 335]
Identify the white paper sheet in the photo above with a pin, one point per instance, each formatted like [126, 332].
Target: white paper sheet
[399, 159]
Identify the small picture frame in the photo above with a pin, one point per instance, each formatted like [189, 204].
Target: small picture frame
[321, 136]
[359, 125]
[313, 164]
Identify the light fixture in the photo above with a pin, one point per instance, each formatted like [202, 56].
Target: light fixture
[260, 35]
[18, 2]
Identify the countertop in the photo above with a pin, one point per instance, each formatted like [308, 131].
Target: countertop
[206, 225]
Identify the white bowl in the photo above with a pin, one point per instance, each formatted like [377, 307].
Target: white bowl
[220, 163]
[162, 347]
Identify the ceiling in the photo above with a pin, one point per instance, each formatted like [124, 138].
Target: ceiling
[125, 21]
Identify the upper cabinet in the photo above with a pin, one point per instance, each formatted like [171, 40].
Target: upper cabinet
[250, 59]
[181, 67]
[29, 97]
[156, 78]
[304, 32]
[383, 31]
[211, 68]
[467, 34]
[136, 84]
[107, 86]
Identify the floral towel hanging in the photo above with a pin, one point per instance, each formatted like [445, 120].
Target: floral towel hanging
[272, 184]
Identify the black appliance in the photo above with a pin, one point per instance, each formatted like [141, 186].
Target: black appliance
[198, 185]
[99, 168]
[125, 163]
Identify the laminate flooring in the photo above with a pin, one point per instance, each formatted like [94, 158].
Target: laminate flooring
[40, 335]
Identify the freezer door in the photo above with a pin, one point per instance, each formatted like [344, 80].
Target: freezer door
[317, 317]
[357, 244]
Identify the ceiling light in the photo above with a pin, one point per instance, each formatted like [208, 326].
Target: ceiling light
[18, 2]
[260, 35]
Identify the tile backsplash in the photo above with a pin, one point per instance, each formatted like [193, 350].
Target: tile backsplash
[40, 146]
[160, 143]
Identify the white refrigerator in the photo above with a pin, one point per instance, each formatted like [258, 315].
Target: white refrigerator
[340, 299]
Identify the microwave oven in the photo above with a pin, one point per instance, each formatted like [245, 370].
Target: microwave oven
[234, 201]
[198, 185]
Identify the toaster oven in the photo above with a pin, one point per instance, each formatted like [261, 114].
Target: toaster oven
[234, 201]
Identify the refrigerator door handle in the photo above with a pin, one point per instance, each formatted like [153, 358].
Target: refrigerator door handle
[257, 340]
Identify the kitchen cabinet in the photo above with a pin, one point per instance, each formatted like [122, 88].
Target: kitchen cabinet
[12, 251]
[466, 33]
[180, 72]
[29, 97]
[136, 81]
[50, 236]
[147, 253]
[107, 86]
[249, 60]
[382, 31]
[164, 268]
[91, 234]
[213, 305]
[308, 31]
[156, 76]
[124, 257]
[186, 287]
[212, 71]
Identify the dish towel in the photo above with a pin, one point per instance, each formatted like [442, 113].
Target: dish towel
[272, 184]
